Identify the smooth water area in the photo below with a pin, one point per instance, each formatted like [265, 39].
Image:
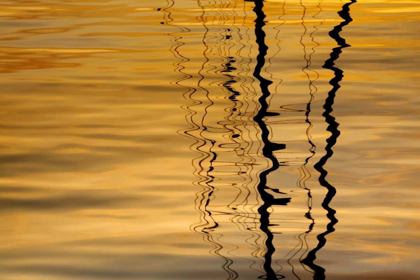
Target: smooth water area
[219, 139]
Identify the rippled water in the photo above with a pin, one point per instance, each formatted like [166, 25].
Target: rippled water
[214, 139]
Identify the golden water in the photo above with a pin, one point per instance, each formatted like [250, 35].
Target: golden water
[209, 139]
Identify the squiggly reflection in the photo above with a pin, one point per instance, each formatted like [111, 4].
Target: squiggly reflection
[319, 272]
[207, 223]
[269, 147]
[305, 175]
[225, 127]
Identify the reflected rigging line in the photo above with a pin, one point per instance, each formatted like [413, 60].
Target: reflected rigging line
[208, 228]
[207, 222]
[319, 272]
[305, 175]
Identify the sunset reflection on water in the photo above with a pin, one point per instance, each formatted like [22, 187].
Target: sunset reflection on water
[209, 139]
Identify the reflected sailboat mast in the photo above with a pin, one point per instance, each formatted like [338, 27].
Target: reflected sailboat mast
[268, 149]
[319, 272]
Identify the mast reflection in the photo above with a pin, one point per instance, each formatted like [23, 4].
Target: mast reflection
[268, 200]
[229, 122]
[319, 272]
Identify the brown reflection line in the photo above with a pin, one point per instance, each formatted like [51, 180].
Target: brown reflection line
[313, 147]
[207, 229]
[278, 28]
[188, 95]
[304, 172]
[240, 219]
[250, 220]
[206, 221]
[237, 107]
[223, 52]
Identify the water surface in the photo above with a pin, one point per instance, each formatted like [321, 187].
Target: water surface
[209, 139]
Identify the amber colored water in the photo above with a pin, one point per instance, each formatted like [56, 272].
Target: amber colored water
[215, 139]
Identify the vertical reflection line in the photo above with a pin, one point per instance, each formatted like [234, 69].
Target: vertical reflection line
[241, 214]
[244, 151]
[304, 169]
[226, 70]
[271, 77]
[208, 229]
[305, 175]
[188, 94]
[239, 218]
[278, 44]
[319, 272]
[253, 134]
[269, 147]
[207, 223]
[254, 146]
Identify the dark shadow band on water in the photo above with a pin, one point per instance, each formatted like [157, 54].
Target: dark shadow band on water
[319, 272]
[269, 148]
